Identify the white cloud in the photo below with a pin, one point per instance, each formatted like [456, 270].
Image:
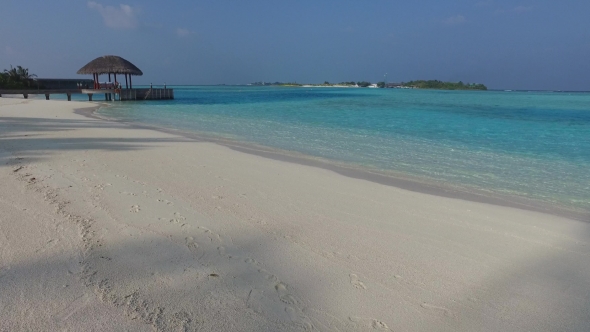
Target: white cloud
[123, 17]
[182, 32]
[455, 20]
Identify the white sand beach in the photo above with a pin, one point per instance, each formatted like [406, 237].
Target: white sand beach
[109, 227]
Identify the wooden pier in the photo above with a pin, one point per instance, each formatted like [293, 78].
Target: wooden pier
[108, 64]
[146, 94]
[109, 94]
[45, 92]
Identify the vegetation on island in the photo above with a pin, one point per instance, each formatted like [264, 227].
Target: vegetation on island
[440, 85]
[16, 78]
[274, 84]
[420, 84]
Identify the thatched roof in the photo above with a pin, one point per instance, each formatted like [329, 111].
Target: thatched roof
[110, 64]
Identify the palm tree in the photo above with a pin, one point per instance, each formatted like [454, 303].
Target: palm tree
[19, 75]
[24, 73]
[3, 80]
[13, 74]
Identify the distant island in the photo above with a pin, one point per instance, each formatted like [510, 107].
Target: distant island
[440, 85]
[351, 84]
[420, 84]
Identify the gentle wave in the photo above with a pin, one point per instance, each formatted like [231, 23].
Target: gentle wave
[530, 144]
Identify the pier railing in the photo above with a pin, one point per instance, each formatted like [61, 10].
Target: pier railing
[146, 94]
[110, 94]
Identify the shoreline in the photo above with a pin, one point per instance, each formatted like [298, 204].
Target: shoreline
[392, 178]
[111, 226]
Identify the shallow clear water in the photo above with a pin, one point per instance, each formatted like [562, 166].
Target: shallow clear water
[533, 144]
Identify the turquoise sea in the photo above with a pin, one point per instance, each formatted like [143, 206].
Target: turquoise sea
[528, 144]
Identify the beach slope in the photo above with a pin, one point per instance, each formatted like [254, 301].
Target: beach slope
[107, 226]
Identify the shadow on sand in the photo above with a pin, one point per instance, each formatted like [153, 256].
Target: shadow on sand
[168, 282]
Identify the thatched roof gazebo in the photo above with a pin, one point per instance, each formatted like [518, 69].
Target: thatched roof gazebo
[110, 64]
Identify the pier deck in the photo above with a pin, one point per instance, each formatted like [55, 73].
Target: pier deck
[110, 94]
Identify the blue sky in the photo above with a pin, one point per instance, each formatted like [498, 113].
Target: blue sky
[504, 44]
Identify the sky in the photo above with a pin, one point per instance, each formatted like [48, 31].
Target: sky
[528, 45]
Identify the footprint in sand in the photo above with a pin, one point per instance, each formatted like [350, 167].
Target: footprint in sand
[172, 221]
[268, 276]
[250, 261]
[213, 237]
[379, 325]
[103, 186]
[167, 202]
[284, 295]
[354, 280]
[191, 244]
[178, 219]
[134, 208]
[370, 323]
[221, 251]
[299, 319]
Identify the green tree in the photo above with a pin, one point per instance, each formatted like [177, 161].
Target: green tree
[3, 80]
[436, 84]
[13, 74]
[16, 78]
